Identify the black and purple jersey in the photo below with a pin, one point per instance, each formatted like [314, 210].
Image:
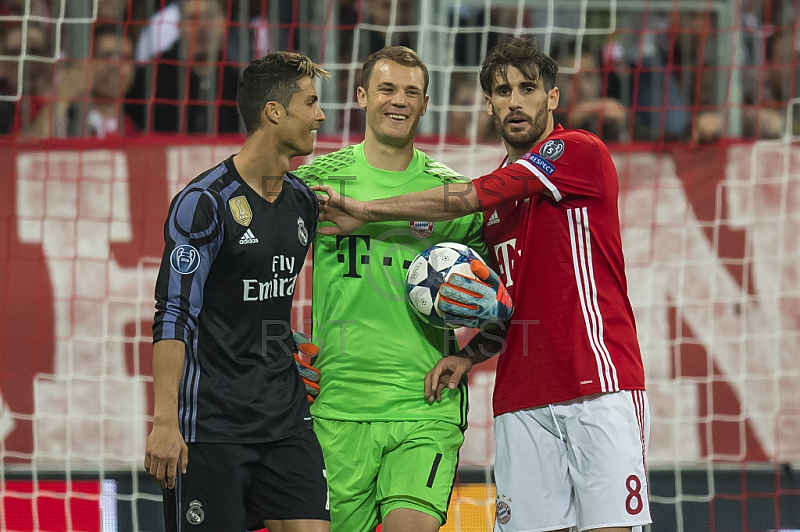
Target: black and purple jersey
[225, 288]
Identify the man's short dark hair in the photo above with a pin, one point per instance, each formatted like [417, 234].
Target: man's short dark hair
[272, 78]
[523, 53]
[397, 54]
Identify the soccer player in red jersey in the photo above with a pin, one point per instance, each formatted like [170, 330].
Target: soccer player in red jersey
[571, 412]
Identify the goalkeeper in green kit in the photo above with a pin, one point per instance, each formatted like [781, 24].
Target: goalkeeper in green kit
[391, 456]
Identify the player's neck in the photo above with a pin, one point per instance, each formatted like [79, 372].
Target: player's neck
[516, 153]
[385, 156]
[260, 167]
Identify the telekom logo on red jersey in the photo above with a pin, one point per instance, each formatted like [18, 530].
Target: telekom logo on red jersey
[506, 255]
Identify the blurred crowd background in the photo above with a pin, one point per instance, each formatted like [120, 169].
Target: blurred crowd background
[692, 71]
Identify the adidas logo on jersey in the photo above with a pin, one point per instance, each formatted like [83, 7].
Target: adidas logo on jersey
[493, 219]
[248, 238]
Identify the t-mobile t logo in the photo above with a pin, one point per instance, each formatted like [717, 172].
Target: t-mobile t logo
[506, 256]
[353, 258]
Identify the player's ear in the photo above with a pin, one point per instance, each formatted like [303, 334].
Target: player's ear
[552, 99]
[361, 94]
[425, 106]
[272, 112]
[489, 106]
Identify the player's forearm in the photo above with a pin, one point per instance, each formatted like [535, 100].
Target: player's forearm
[168, 360]
[441, 203]
[485, 345]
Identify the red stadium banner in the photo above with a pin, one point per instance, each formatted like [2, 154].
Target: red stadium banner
[713, 263]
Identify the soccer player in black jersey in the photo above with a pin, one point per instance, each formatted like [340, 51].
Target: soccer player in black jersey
[232, 443]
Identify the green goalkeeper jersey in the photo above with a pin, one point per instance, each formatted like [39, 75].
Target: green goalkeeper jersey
[374, 351]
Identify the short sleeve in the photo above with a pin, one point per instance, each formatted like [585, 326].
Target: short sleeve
[575, 165]
[563, 167]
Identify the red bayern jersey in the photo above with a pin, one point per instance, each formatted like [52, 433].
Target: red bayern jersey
[500, 232]
[573, 332]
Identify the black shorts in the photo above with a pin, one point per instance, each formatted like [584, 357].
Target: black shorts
[239, 486]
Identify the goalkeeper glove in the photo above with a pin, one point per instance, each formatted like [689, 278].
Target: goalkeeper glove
[305, 350]
[472, 302]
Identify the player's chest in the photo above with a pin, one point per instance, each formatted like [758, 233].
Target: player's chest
[501, 224]
[255, 229]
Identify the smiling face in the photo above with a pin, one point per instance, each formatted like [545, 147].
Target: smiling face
[395, 100]
[521, 108]
[297, 130]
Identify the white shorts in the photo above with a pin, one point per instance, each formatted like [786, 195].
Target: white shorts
[580, 464]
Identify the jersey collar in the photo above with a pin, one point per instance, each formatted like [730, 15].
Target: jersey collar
[389, 178]
[255, 196]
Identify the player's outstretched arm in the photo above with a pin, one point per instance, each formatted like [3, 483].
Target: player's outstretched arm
[347, 214]
[446, 202]
[450, 370]
[165, 445]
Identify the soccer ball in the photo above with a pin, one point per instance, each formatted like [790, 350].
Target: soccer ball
[428, 271]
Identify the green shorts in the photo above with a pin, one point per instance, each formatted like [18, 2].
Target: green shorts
[375, 467]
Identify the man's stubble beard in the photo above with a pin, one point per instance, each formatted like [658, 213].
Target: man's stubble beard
[538, 126]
